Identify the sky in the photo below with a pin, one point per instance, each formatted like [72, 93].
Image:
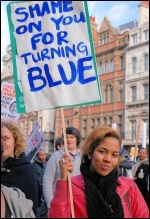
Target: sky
[118, 13]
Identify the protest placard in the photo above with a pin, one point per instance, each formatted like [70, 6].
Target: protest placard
[53, 55]
[8, 101]
[34, 142]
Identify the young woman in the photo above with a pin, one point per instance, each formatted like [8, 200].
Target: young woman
[19, 171]
[98, 192]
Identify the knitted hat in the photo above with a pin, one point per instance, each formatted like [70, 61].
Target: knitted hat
[74, 131]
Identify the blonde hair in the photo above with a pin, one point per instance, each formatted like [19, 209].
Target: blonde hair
[97, 136]
[18, 134]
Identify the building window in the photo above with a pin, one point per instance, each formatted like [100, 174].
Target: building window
[98, 121]
[147, 127]
[110, 121]
[134, 61]
[121, 62]
[111, 94]
[133, 130]
[146, 32]
[104, 38]
[146, 91]
[134, 93]
[105, 121]
[134, 37]
[146, 62]
[120, 126]
[106, 67]
[106, 95]
[111, 65]
[120, 119]
[101, 69]
[93, 124]
[121, 97]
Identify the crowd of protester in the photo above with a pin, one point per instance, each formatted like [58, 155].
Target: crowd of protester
[104, 183]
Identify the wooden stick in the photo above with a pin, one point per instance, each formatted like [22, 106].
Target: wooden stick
[69, 176]
[137, 139]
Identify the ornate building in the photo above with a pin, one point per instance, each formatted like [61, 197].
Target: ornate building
[137, 79]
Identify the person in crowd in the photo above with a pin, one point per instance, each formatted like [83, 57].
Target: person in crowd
[59, 143]
[141, 179]
[98, 192]
[52, 170]
[124, 166]
[20, 172]
[39, 163]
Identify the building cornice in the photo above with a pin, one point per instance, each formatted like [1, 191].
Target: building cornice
[138, 45]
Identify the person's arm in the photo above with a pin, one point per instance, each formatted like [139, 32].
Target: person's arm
[60, 204]
[139, 206]
[48, 179]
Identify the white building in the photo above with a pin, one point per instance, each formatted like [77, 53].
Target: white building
[137, 80]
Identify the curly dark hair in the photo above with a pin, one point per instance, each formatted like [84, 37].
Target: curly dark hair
[18, 134]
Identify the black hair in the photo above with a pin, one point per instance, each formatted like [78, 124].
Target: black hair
[74, 131]
[59, 141]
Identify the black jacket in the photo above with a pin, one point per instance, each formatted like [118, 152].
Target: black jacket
[22, 175]
[39, 168]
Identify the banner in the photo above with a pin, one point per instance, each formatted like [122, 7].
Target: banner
[34, 142]
[53, 55]
[8, 101]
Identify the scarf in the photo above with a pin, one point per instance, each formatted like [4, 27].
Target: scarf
[138, 164]
[101, 196]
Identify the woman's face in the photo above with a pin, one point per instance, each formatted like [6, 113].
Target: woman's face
[8, 143]
[142, 154]
[105, 156]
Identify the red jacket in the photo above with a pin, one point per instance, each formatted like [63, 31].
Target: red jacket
[60, 206]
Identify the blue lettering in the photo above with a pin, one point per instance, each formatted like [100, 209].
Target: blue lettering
[34, 40]
[73, 73]
[82, 68]
[57, 21]
[83, 47]
[38, 26]
[47, 38]
[21, 29]
[49, 78]
[36, 8]
[65, 6]
[25, 57]
[81, 18]
[65, 22]
[55, 5]
[38, 57]
[45, 9]
[43, 54]
[20, 11]
[70, 50]
[54, 51]
[60, 37]
[31, 79]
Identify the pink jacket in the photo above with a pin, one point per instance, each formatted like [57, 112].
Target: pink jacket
[60, 206]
